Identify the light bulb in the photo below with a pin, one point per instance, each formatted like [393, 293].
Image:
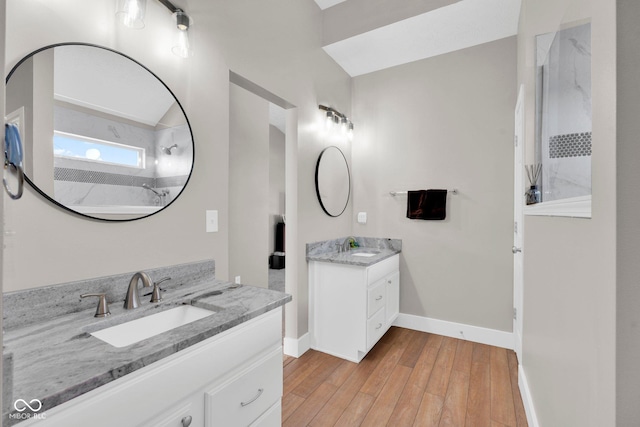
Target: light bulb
[181, 48]
[131, 12]
[343, 125]
[329, 120]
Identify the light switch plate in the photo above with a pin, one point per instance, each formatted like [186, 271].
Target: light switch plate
[212, 221]
[362, 217]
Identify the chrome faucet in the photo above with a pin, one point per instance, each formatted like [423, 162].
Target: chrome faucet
[346, 245]
[133, 297]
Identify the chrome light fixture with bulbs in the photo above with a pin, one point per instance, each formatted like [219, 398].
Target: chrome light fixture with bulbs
[132, 12]
[334, 118]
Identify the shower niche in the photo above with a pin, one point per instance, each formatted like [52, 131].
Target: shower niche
[564, 122]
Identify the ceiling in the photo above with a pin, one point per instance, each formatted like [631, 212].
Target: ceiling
[456, 26]
[105, 81]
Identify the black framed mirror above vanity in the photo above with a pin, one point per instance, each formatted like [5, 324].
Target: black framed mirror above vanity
[103, 136]
[333, 181]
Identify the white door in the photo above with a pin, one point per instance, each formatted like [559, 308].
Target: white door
[518, 222]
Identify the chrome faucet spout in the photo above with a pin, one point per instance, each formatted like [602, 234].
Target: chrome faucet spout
[133, 296]
[346, 245]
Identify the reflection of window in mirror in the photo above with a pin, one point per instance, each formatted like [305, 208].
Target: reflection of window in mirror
[563, 113]
[77, 147]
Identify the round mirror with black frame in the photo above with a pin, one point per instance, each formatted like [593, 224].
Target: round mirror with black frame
[333, 181]
[103, 136]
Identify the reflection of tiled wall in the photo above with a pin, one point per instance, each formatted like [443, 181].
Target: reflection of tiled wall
[570, 145]
[93, 177]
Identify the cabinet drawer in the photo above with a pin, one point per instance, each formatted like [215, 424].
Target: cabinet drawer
[271, 418]
[244, 397]
[376, 297]
[375, 328]
[378, 270]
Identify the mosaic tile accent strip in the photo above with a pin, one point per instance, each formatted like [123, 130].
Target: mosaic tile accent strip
[93, 177]
[570, 145]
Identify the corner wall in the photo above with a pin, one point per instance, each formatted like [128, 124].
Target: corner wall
[569, 264]
[628, 235]
[443, 122]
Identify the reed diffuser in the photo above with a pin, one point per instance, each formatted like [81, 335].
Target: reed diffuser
[533, 194]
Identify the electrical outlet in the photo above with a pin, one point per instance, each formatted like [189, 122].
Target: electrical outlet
[238, 282]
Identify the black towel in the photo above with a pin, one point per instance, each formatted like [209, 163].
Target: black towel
[427, 204]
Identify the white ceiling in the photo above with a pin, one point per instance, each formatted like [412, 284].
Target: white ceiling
[105, 81]
[458, 26]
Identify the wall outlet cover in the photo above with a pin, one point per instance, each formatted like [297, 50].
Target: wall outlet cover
[362, 217]
[212, 221]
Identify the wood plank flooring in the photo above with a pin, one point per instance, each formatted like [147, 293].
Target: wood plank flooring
[409, 378]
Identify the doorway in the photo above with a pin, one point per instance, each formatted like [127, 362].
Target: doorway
[263, 191]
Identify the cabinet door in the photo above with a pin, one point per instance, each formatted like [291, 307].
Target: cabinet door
[393, 296]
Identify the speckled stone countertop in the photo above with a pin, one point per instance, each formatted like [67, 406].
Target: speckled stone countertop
[57, 359]
[327, 251]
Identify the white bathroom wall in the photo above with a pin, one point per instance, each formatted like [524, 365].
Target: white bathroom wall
[628, 203]
[248, 186]
[444, 122]
[570, 264]
[275, 44]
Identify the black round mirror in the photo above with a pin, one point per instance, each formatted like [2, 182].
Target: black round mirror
[103, 136]
[333, 181]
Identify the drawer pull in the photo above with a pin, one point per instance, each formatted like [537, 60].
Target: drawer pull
[379, 298]
[260, 390]
[186, 421]
[379, 326]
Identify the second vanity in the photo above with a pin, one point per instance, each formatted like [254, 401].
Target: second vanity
[224, 369]
[354, 294]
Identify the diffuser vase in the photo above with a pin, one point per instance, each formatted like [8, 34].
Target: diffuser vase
[533, 195]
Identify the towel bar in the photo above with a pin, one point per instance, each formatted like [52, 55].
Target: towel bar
[398, 193]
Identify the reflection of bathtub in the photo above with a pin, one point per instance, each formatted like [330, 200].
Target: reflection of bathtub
[115, 210]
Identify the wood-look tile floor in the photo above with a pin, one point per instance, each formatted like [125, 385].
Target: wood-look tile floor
[409, 378]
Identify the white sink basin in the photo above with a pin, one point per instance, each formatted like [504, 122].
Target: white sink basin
[146, 327]
[365, 254]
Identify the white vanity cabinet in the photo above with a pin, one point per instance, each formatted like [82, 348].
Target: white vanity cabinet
[231, 379]
[351, 307]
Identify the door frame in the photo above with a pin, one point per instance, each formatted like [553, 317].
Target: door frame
[518, 224]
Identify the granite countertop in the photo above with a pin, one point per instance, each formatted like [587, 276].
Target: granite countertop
[382, 249]
[57, 360]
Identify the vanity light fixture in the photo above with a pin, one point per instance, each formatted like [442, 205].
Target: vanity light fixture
[132, 12]
[334, 118]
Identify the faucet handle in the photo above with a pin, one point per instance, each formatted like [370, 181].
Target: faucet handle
[155, 294]
[103, 307]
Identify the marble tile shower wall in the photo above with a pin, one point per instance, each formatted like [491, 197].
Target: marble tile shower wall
[567, 124]
[78, 183]
[32, 306]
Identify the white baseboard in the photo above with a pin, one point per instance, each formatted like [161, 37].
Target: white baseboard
[523, 385]
[456, 330]
[296, 347]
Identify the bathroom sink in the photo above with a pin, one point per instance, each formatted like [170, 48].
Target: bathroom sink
[146, 327]
[365, 253]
